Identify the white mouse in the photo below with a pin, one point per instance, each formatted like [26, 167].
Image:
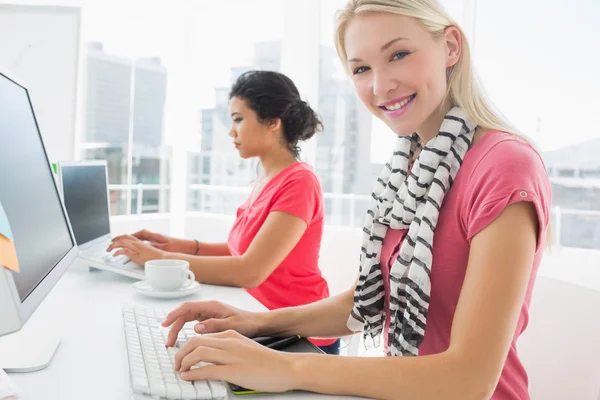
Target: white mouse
[8, 389]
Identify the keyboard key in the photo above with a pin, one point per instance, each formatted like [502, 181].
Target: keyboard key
[171, 351]
[118, 260]
[189, 332]
[202, 390]
[154, 372]
[173, 390]
[187, 390]
[217, 389]
[140, 385]
[157, 388]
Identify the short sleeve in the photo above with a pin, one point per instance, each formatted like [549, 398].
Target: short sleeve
[511, 171]
[300, 194]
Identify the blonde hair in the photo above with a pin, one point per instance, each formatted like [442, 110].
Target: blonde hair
[464, 87]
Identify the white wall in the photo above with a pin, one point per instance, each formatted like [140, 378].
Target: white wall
[212, 228]
[561, 347]
[40, 45]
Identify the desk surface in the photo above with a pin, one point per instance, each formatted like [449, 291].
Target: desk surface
[85, 310]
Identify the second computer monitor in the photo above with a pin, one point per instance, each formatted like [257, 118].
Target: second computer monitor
[85, 194]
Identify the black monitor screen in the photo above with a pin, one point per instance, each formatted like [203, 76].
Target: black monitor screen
[28, 193]
[84, 193]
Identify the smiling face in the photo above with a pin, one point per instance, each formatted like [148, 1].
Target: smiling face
[251, 137]
[399, 68]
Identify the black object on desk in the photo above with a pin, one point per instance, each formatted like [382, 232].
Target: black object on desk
[276, 343]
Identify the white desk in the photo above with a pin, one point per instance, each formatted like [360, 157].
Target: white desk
[85, 309]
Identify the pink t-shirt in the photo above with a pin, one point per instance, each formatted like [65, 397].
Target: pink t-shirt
[297, 280]
[499, 170]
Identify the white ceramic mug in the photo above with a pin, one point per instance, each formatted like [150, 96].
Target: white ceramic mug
[169, 275]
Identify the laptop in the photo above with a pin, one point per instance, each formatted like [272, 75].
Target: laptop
[84, 190]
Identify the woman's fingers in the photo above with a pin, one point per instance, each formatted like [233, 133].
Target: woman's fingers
[125, 252]
[121, 241]
[145, 235]
[177, 325]
[190, 310]
[217, 341]
[205, 355]
[213, 325]
[207, 372]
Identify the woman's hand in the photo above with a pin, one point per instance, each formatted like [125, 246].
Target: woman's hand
[162, 242]
[236, 359]
[212, 316]
[137, 251]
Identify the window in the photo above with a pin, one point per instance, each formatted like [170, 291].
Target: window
[126, 67]
[548, 89]
[254, 43]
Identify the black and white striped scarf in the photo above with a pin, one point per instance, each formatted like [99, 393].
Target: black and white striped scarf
[407, 200]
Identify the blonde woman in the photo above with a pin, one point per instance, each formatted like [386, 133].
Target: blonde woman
[452, 239]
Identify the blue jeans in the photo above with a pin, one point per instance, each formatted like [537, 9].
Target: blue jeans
[333, 348]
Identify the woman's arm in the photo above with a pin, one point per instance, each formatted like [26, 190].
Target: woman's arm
[195, 247]
[173, 245]
[498, 272]
[276, 238]
[324, 318]
[210, 249]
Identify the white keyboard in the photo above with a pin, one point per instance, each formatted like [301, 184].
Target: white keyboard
[151, 363]
[110, 259]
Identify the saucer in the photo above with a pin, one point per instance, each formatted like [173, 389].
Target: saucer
[143, 287]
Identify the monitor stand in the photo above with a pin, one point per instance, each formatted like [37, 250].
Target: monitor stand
[26, 352]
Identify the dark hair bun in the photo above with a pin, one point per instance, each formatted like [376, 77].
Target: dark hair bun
[273, 95]
[300, 122]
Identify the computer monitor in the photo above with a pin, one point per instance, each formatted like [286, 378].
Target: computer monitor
[84, 186]
[35, 227]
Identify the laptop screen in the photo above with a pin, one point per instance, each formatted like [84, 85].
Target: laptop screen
[86, 200]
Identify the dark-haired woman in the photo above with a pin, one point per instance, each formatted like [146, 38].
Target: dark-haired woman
[273, 246]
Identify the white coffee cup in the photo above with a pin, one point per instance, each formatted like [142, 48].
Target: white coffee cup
[169, 275]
